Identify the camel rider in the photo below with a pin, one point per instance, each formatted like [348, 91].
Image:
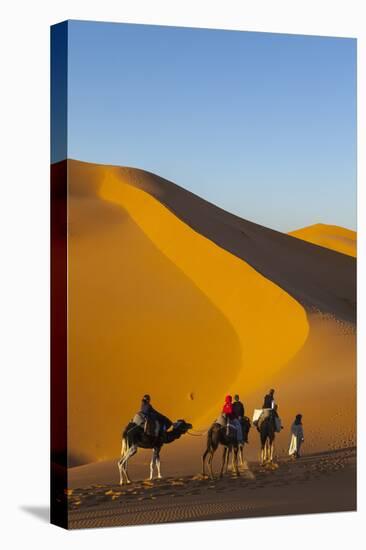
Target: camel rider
[227, 410]
[269, 402]
[271, 407]
[238, 408]
[238, 412]
[162, 423]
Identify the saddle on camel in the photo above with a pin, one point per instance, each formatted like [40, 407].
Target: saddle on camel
[154, 423]
[232, 416]
[269, 410]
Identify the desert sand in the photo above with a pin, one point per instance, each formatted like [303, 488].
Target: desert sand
[324, 482]
[170, 295]
[334, 237]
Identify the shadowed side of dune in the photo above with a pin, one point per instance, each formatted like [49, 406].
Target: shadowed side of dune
[318, 278]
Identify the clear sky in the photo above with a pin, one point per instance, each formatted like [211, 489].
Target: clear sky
[263, 125]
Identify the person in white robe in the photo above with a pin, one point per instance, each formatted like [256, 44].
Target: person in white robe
[297, 437]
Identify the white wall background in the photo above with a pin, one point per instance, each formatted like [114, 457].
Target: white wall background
[24, 261]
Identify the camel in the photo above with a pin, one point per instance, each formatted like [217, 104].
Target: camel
[218, 435]
[267, 433]
[134, 436]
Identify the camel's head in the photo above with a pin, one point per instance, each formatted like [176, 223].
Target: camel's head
[182, 426]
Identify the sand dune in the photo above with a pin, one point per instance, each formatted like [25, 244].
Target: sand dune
[320, 383]
[171, 295]
[302, 269]
[156, 307]
[334, 237]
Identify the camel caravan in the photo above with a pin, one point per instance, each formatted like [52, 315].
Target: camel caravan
[149, 429]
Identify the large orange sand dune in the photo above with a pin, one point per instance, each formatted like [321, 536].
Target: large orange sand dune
[170, 295]
[156, 307]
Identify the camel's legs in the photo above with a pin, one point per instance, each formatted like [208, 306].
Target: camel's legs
[223, 464]
[229, 453]
[232, 462]
[123, 463]
[153, 463]
[120, 472]
[210, 464]
[227, 460]
[204, 461]
[119, 463]
[271, 451]
[241, 454]
[263, 453]
[158, 464]
[126, 464]
[236, 460]
[131, 452]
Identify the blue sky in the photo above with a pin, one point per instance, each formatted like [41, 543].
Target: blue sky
[263, 125]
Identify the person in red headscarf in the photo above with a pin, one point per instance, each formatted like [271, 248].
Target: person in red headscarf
[227, 409]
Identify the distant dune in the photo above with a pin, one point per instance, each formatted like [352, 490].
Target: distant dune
[334, 237]
[170, 295]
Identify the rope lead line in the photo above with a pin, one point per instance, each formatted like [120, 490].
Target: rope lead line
[197, 434]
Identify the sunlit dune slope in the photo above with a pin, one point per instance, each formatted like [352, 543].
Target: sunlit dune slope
[320, 383]
[334, 237]
[300, 268]
[156, 307]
